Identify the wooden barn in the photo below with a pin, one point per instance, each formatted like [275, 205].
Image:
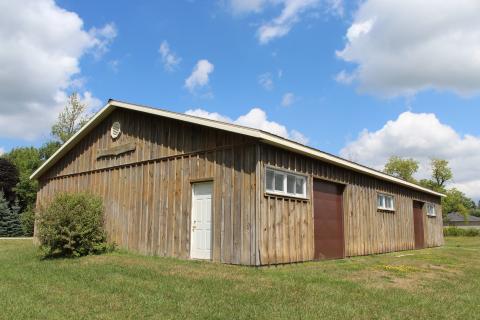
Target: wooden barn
[182, 186]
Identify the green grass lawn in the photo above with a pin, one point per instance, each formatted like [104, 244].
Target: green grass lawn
[437, 283]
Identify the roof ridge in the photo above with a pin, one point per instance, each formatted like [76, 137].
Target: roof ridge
[263, 136]
[258, 130]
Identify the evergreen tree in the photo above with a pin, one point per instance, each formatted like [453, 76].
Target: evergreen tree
[4, 215]
[10, 225]
[16, 229]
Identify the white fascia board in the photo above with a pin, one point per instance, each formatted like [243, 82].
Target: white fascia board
[299, 148]
[70, 143]
[254, 133]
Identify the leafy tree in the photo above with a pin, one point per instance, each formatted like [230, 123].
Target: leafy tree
[27, 219]
[8, 178]
[402, 168]
[10, 225]
[475, 213]
[456, 201]
[48, 149]
[432, 185]
[27, 160]
[26, 191]
[441, 172]
[71, 119]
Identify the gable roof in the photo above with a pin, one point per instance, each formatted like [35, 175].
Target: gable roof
[263, 136]
[457, 217]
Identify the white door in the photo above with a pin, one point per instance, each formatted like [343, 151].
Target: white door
[201, 233]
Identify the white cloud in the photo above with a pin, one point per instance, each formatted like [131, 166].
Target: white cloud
[209, 115]
[114, 65]
[336, 7]
[255, 118]
[421, 136]
[403, 47]
[102, 38]
[2, 151]
[298, 136]
[292, 12]
[266, 81]
[92, 103]
[247, 6]
[344, 77]
[287, 99]
[45, 44]
[200, 75]
[170, 59]
[281, 25]
[359, 29]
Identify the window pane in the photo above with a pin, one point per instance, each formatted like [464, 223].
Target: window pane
[300, 186]
[380, 201]
[279, 181]
[291, 184]
[269, 178]
[388, 202]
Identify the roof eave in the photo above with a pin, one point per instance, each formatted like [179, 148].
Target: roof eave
[254, 133]
[98, 117]
[298, 148]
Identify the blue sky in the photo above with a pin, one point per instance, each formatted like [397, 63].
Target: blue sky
[257, 52]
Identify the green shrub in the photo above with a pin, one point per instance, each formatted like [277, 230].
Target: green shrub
[461, 232]
[72, 226]
[472, 232]
[27, 219]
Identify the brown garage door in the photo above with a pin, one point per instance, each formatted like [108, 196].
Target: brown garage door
[328, 220]
[418, 224]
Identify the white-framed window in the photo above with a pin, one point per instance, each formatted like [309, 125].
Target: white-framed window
[385, 202]
[285, 183]
[431, 212]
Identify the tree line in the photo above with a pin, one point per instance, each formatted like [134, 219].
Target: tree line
[18, 193]
[441, 174]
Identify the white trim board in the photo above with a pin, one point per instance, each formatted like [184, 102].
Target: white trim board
[263, 136]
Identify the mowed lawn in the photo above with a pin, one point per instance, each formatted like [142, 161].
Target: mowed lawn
[438, 283]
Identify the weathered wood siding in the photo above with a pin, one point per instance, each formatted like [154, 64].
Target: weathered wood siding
[147, 192]
[286, 224]
[433, 227]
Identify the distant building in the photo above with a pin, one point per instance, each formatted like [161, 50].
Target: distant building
[457, 219]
